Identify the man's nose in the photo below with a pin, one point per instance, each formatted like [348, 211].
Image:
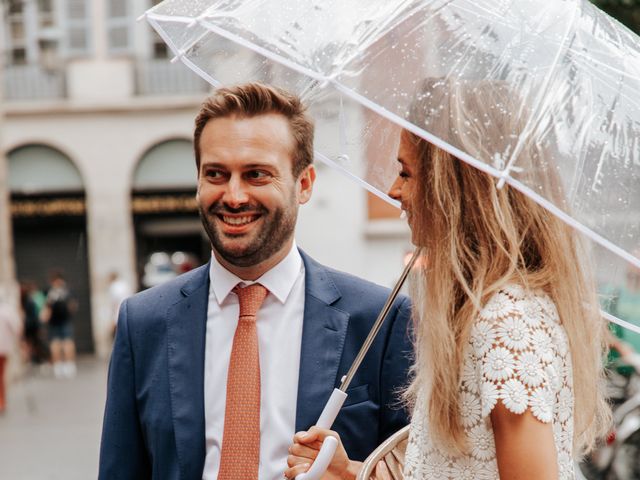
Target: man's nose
[235, 194]
[394, 191]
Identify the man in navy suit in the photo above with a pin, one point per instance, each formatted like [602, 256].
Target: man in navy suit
[167, 389]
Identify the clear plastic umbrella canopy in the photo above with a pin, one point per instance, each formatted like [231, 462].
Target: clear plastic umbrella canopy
[541, 94]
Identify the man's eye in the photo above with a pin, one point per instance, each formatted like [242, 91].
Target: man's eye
[403, 174]
[214, 173]
[257, 174]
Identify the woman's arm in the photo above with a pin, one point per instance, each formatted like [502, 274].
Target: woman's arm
[525, 447]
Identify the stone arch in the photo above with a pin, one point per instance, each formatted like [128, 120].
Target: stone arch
[41, 168]
[166, 165]
[48, 211]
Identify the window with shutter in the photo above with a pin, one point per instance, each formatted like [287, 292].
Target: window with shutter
[16, 37]
[77, 19]
[159, 47]
[46, 18]
[118, 26]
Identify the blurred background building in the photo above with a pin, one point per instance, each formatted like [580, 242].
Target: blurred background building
[99, 174]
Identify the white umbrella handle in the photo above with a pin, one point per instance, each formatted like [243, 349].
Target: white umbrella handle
[330, 444]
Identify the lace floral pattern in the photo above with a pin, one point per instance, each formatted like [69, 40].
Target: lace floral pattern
[517, 353]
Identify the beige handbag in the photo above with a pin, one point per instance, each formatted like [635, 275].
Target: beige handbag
[391, 451]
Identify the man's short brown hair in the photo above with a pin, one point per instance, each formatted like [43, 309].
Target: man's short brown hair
[252, 99]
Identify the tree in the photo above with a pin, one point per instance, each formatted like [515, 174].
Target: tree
[625, 11]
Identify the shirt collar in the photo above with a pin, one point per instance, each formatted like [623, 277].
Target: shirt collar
[279, 280]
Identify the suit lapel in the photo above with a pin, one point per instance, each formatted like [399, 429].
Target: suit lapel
[323, 335]
[186, 327]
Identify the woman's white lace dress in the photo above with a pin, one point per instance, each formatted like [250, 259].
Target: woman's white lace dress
[518, 353]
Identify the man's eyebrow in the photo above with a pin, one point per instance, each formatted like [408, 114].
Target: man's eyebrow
[248, 166]
[213, 164]
[259, 165]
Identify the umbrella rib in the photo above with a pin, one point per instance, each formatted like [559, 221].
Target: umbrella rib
[618, 321]
[169, 18]
[180, 55]
[152, 20]
[201, 72]
[270, 55]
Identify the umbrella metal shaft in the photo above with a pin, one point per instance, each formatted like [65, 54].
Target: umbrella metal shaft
[346, 380]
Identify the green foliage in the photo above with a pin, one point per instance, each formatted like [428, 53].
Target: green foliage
[616, 3]
[626, 11]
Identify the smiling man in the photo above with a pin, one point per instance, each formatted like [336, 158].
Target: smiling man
[213, 372]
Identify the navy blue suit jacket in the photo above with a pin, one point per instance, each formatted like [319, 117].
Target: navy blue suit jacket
[154, 424]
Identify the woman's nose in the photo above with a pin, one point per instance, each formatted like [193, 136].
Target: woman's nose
[395, 190]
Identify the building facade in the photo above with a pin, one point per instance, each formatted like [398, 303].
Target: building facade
[100, 176]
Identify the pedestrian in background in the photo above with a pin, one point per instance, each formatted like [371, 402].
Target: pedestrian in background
[34, 349]
[10, 330]
[58, 313]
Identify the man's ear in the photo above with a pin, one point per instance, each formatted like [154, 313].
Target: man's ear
[305, 184]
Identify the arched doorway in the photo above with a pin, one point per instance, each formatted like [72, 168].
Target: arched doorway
[169, 236]
[49, 226]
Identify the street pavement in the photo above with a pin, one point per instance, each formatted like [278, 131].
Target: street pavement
[51, 430]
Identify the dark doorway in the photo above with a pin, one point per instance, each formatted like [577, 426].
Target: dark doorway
[59, 243]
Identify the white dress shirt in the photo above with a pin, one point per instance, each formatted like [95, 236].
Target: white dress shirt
[279, 325]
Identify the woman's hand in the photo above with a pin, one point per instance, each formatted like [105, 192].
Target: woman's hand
[305, 448]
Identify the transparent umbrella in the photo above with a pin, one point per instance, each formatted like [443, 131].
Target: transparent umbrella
[363, 65]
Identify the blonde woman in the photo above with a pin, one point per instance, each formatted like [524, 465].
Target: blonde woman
[509, 340]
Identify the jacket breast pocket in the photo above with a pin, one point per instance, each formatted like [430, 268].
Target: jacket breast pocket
[357, 395]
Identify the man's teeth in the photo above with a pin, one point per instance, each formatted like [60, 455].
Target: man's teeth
[403, 214]
[238, 220]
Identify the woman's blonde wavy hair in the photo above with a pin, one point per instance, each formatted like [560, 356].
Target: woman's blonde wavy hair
[476, 238]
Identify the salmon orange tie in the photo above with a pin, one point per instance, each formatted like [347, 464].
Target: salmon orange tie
[240, 455]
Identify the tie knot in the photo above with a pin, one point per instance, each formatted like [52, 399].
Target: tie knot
[250, 298]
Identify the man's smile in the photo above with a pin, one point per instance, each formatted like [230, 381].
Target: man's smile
[238, 219]
[238, 223]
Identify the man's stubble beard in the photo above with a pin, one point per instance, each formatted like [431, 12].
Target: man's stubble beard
[278, 227]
